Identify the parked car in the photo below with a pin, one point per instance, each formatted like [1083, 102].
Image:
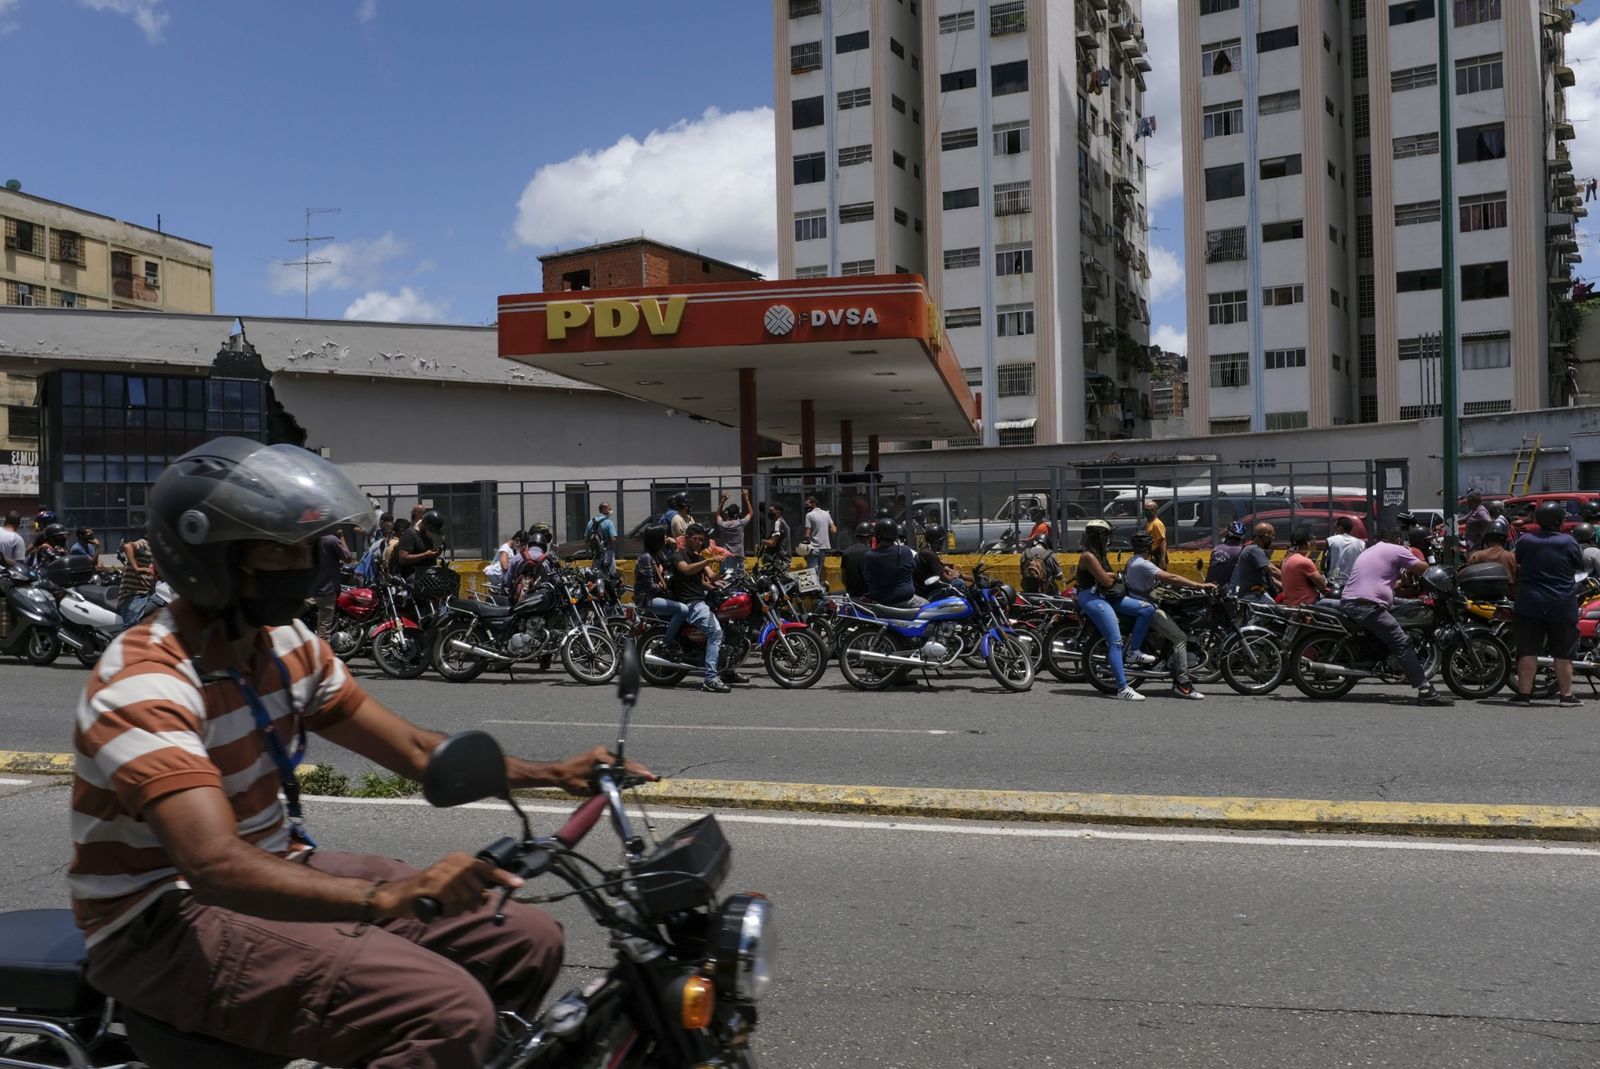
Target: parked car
[1286, 521]
[1519, 510]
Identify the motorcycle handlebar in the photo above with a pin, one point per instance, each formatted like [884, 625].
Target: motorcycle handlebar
[579, 824]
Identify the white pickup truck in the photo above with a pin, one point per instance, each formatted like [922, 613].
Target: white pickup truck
[1012, 521]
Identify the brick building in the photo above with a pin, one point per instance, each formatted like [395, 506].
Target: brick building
[634, 262]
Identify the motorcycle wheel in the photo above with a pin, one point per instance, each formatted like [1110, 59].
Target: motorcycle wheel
[401, 654]
[1427, 654]
[89, 656]
[593, 662]
[1494, 663]
[1098, 668]
[1011, 664]
[41, 647]
[1055, 660]
[795, 660]
[1033, 642]
[1253, 665]
[453, 665]
[864, 675]
[652, 641]
[1207, 646]
[1327, 649]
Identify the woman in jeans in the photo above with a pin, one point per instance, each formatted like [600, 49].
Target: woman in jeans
[1093, 578]
[650, 580]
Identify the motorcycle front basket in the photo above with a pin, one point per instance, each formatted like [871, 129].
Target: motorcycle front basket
[436, 583]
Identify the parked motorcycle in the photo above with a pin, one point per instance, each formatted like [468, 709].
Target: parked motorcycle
[356, 611]
[688, 972]
[473, 635]
[666, 665]
[1225, 641]
[30, 621]
[402, 643]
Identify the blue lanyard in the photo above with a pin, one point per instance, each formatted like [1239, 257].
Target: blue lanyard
[282, 756]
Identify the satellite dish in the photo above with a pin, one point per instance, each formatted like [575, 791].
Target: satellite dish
[13, 185]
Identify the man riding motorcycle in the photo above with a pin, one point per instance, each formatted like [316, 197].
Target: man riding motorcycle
[1369, 595]
[204, 900]
[1142, 576]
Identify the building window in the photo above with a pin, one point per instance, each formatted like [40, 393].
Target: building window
[1358, 56]
[1219, 58]
[898, 160]
[1013, 321]
[1360, 116]
[1280, 166]
[1366, 297]
[1212, 7]
[1222, 120]
[1013, 198]
[810, 226]
[1369, 356]
[954, 81]
[1477, 144]
[960, 198]
[1471, 12]
[1419, 411]
[1480, 74]
[1413, 348]
[1363, 236]
[1272, 40]
[1279, 359]
[22, 421]
[807, 112]
[897, 48]
[1484, 408]
[1414, 78]
[1276, 296]
[1225, 181]
[955, 259]
[1406, 148]
[851, 155]
[916, 225]
[1368, 412]
[1008, 78]
[819, 271]
[810, 167]
[1287, 230]
[68, 300]
[1007, 18]
[799, 9]
[1230, 369]
[1427, 278]
[1333, 297]
[859, 41]
[1225, 245]
[1013, 380]
[1226, 308]
[1482, 351]
[1013, 259]
[1011, 139]
[897, 104]
[1410, 11]
[961, 20]
[973, 377]
[855, 98]
[68, 247]
[21, 294]
[1015, 436]
[806, 57]
[1422, 211]
[955, 318]
[1484, 212]
[951, 140]
[1230, 425]
[22, 236]
[1285, 421]
[1276, 103]
[901, 217]
[857, 267]
[1481, 282]
[856, 213]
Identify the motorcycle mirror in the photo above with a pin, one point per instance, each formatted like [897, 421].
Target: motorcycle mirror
[467, 767]
[629, 674]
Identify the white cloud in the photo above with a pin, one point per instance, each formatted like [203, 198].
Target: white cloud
[368, 11]
[407, 306]
[1166, 272]
[1170, 338]
[357, 264]
[706, 183]
[1583, 111]
[8, 8]
[149, 15]
[1162, 99]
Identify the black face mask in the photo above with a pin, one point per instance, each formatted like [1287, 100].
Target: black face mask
[279, 597]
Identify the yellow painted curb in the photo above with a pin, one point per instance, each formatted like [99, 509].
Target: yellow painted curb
[50, 764]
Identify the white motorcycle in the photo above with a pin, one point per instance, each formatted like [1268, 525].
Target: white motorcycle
[89, 610]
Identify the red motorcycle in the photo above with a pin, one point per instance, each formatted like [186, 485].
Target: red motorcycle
[357, 611]
[748, 610]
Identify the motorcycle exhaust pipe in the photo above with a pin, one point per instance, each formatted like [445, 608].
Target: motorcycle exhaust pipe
[655, 660]
[69, 639]
[457, 646]
[1579, 668]
[889, 658]
[1322, 668]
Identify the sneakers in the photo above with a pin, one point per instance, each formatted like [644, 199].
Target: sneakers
[1433, 697]
[715, 686]
[1570, 700]
[1141, 659]
[1519, 698]
[1128, 694]
[1186, 690]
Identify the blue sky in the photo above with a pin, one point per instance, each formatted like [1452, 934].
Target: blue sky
[458, 146]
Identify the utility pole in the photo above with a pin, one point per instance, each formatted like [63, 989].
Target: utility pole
[1448, 367]
[305, 260]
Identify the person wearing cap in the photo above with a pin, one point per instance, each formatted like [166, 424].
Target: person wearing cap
[1545, 611]
[1143, 575]
[1225, 557]
[1477, 521]
[1048, 569]
[1494, 551]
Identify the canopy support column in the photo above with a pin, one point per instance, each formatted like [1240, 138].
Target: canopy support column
[747, 425]
[847, 445]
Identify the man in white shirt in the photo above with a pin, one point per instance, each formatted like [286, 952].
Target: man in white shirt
[819, 533]
[12, 547]
[1343, 549]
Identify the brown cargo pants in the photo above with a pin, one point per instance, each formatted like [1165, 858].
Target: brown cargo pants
[400, 995]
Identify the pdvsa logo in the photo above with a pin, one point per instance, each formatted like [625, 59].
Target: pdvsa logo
[781, 319]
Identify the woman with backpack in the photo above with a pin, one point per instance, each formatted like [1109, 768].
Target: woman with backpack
[1041, 572]
[1100, 595]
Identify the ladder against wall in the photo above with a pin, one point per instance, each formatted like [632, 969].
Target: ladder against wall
[1522, 465]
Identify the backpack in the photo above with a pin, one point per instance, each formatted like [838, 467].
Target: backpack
[1033, 570]
[366, 568]
[595, 538]
[667, 517]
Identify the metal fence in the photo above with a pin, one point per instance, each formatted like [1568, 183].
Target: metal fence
[979, 507]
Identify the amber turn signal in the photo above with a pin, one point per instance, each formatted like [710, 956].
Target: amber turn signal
[699, 998]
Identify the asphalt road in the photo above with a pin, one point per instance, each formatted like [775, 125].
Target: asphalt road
[942, 944]
[965, 732]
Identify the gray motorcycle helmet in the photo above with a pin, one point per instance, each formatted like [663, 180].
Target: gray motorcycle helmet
[232, 490]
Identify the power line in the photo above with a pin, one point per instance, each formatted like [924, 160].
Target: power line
[306, 261]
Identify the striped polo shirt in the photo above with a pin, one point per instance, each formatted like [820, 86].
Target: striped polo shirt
[149, 725]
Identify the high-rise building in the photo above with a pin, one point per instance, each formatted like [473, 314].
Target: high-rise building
[938, 137]
[1315, 252]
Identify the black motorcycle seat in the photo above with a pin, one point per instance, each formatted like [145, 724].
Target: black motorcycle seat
[103, 596]
[162, 1046]
[893, 612]
[480, 608]
[41, 962]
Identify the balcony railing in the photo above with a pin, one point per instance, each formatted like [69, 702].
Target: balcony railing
[134, 288]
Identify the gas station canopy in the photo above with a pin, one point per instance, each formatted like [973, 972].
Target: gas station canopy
[823, 359]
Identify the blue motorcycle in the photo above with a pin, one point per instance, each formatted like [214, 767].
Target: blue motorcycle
[886, 644]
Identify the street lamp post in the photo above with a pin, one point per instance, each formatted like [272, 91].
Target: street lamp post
[1448, 368]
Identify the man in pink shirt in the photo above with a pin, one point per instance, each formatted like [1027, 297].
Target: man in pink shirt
[1369, 595]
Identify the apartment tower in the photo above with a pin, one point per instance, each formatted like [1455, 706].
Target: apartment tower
[932, 136]
[1312, 127]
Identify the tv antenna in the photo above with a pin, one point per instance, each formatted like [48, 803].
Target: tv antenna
[305, 260]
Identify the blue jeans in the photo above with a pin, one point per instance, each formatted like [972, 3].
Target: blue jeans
[1142, 613]
[701, 616]
[1104, 617]
[676, 613]
[133, 610]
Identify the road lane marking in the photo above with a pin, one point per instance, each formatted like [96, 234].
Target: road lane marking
[6, 781]
[612, 725]
[1200, 838]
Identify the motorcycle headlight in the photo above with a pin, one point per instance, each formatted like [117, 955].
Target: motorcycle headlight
[745, 947]
[37, 596]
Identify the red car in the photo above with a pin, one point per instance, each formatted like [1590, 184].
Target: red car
[1519, 510]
